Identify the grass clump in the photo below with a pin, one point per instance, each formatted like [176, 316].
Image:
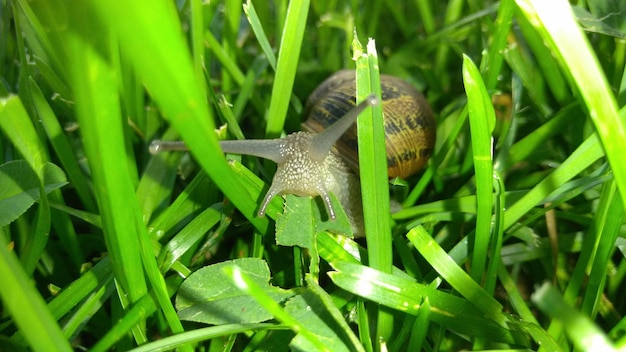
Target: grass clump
[511, 238]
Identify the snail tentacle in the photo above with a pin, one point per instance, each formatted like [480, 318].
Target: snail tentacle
[325, 140]
[263, 148]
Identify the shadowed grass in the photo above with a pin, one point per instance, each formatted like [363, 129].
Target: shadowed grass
[512, 238]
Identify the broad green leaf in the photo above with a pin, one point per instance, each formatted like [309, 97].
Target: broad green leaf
[19, 187]
[209, 296]
[304, 217]
[311, 311]
[18, 127]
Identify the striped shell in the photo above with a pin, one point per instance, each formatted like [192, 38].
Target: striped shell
[409, 122]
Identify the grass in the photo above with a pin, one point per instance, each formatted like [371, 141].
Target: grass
[511, 239]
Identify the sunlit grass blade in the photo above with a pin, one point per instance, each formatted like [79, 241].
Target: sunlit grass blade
[372, 159]
[61, 146]
[143, 308]
[608, 221]
[288, 55]
[250, 287]
[26, 306]
[585, 155]
[100, 118]
[203, 334]
[172, 83]
[456, 276]
[257, 27]
[406, 295]
[580, 329]
[575, 56]
[373, 171]
[482, 122]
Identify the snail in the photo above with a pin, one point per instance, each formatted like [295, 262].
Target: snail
[323, 158]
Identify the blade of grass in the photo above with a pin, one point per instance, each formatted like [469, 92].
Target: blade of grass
[447, 146]
[406, 295]
[27, 307]
[229, 34]
[152, 34]
[257, 28]
[420, 327]
[482, 121]
[575, 56]
[373, 174]
[100, 275]
[61, 146]
[142, 309]
[455, 276]
[491, 64]
[585, 155]
[607, 222]
[252, 288]
[581, 330]
[497, 234]
[224, 58]
[100, 118]
[204, 334]
[373, 160]
[101, 125]
[288, 55]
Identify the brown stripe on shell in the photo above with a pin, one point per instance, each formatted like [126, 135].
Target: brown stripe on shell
[409, 121]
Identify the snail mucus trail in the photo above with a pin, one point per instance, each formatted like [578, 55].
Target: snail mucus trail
[305, 164]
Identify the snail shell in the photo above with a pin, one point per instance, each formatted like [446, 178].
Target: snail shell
[409, 121]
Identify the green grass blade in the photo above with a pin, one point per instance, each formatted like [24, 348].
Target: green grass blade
[492, 62]
[187, 237]
[61, 146]
[455, 276]
[101, 127]
[609, 218]
[575, 56]
[580, 329]
[17, 125]
[223, 56]
[172, 82]
[197, 40]
[373, 172]
[288, 55]
[482, 122]
[406, 295]
[27, 307]
[203, 334]
[585, 155]
[257, 28]
[143, 308]
[100, 275]
[373, 160]
[252, 288]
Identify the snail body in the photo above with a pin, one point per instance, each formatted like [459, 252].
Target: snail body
[314, 163]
